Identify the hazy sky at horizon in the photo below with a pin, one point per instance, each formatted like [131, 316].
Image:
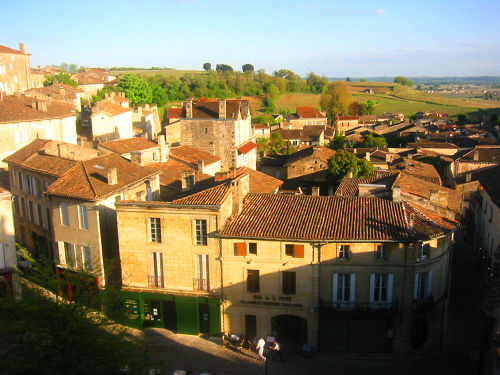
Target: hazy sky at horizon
[334, 38]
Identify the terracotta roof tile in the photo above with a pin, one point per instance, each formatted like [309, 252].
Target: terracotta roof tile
[210, 108]
[260, 182]
[171, 173]
[314, 218]
[54, 91]
[125, 146]
[174, 112]
[490, 180]
[109, 108]
[190, 154]
[420, 170]
[87, 180]
[307, 134]
[483, 153]
[346, 118]
[309, 112]
[213, 196]
[247, 147]
[319, 152]
[19, 108]
[349, 185]
[5, 49]
[261, 126]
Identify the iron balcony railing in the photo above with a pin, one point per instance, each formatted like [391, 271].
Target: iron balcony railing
[201, 284]
[155, 281]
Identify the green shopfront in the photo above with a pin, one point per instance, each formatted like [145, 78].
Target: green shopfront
[182, 314]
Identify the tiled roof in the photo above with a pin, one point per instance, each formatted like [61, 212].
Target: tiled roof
[487, 154]
[4, 49]
[490, 180]
[261, 126]
[306, 134]
[209, 109]
[171, 173]
[19, 108]
[316, 218]
[349, 185]
[109, 108]
[346, 118]
[32, 156]
[429, 144]
[260, 182]
[87, 180]
[213, 196]
[247, 147]
[174, 112]
[190, 154]
[309, 112]
[320, 152]
[426, 225]
[125, 146]
[420, 170]
[91, 76]
[422, 188]
[54, 91]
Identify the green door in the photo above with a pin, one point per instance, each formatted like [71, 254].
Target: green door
[187, 315]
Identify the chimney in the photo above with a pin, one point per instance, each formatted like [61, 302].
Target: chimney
[112, 175]
[350, 174]
[201, 166]
[388, 158]
[367, 156]
[164, 149]
[396, 194]
[222, 108]
[58, 150]
[122, 94]
[146, 107]
[476, 155]
[22, 48]
[468, 177]
[189, 108]
[315, 191]
[187, 180]
[411, 223]
[139, 111]
[239, 188]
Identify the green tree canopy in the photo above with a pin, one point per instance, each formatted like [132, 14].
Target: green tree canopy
[372, 142]
[223, 68]
[207, 66]
[159, 95]
[136, 89]
[403, 81]
[336, 98]
[59, 78]
[338, 142]
[315, 83]
[343, 162]
[368, 107]
[247, 68]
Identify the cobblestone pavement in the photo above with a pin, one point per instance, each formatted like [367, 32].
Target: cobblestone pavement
[192, 353]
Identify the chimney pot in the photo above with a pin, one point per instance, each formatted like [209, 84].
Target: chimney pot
[396, 194]
[22, 48]
[201, 166]
[315, 191]
[189, 108]
[112, 176]
[222, 108]
[164, 149]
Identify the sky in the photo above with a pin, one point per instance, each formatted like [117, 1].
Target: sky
[355, 38]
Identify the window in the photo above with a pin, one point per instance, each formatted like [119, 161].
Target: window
[201, 282]
[423, 285]
[69, 253]
[22, 207]
[87, 262]
[26, 183]
[344, 251]
[296, 251]
[64, 214]
[381, 288]
[154, 229]
[200, 232]
[39, 216]
[155, 279]
[49, 220]
[344, 288]
[382, 252]
[288, 279]
[82, 215]
[45, 188]
[253, 285]
[240, 249]
[31, 211]
[252, 248]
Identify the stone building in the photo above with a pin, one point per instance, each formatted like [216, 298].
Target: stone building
[477, 158]
[111, 121]
[15, 70]
[345, 123]
[58, 91]
[25, 119]
[355, 274]
[222, 128]
[9, 283]
[304, 116]
[91, 80]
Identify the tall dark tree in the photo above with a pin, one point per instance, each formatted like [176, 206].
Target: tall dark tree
[223, 68]
[247, 68]
[207, 66]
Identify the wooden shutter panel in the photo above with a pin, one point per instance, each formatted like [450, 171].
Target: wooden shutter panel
[241, 249]
[335, 285]
[390, 287]
[298, 251]
[372, 287]
[353, 288]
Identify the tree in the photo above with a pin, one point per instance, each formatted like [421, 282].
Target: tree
[276, 142]
[348, 79]
[61, 77]
[223, 68]
[159, 96]
[44, 333]
[315, 83]
[403, 81]
[247, 68]
[273, 94]
[362, 80]
[336, 99]
[343, 162]
[462, 118]
[374, 142]
[207, 67]
[136, 89]
[355, 108]
[338, 142]
[368, 107]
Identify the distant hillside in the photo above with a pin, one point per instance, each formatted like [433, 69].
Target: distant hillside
[475, 80]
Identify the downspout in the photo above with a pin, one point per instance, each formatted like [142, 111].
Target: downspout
[221, 280]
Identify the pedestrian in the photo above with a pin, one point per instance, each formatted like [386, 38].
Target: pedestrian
[260, 348]
[276, 348]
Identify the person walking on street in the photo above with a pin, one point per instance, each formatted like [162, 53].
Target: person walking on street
[260, 348]
[276, 348]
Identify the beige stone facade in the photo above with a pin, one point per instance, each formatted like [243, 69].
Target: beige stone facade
[15, 71]
[9, 283]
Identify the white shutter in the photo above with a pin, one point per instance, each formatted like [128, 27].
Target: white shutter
[206, 268]
[335, 286]
[428, 290]
[415, 291]
[372, 287]
[390, 288]
[62, 254]
[353, 287]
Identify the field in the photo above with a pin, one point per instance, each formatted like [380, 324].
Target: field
[163, 72]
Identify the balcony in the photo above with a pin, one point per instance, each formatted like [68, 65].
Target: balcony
[371, 308]
[155, 281]
[201, 284]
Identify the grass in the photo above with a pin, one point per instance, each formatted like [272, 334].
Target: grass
[166, 72]
[294, 100]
